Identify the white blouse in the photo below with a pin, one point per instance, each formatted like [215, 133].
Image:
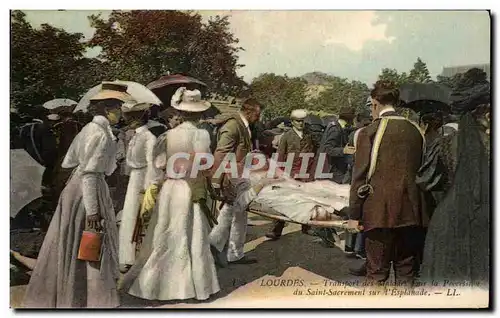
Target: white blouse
[185, 138]
[93, 151]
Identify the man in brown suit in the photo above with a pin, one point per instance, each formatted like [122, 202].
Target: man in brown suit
[234, 138]
[393, 215]
[297, 143]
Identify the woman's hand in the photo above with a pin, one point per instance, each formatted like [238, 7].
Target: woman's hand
[94, 222]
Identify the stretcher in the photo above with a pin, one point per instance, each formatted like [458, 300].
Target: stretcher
[259, 209]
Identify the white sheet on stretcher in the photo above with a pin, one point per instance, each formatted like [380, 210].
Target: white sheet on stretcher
[298, 200]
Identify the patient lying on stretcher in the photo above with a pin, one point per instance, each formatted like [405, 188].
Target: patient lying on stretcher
[299, 201]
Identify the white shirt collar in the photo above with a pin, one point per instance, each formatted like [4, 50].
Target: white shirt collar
[101, 121]
[388, 109]
[104, 123]
[186, 124]
[141, 129]
[244, 119]
[300, 133]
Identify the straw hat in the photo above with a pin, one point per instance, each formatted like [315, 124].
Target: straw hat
[189, 101]
[110, 90]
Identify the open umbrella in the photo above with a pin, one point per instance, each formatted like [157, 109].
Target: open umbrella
[138, 92]
[313, 120]
[59, 102]
[165, 86]
[25, 180]
[425, 97]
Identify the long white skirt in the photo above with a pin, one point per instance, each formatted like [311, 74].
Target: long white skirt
[175, 261]
[133, 200]
[60, 279]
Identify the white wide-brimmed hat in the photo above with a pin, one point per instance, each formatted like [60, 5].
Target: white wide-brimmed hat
[189, 101]
[133, 106]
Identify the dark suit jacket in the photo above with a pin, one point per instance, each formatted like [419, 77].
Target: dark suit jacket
[332, 143]
[397, 201]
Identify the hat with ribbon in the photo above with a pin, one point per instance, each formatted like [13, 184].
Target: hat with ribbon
[110, 90]
[189, 101]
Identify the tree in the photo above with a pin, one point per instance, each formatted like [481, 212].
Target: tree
[341, 93]
[390, 74]
[143, 45]
[419, 73]
[279, 94]
[465, 80]
[47, 63]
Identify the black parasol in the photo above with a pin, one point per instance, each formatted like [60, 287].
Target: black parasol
[425, 97]
[313, 120]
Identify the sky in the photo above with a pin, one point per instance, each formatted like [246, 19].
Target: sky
[351, 44]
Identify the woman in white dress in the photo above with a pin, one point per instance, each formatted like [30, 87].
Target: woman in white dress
[59, 278]
[140, 162]
[175, 262]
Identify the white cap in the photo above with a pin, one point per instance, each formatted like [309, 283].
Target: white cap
[133, 106]
[299, 114]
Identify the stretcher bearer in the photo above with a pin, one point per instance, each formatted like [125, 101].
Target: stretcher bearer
[142, 173]
[234, 140]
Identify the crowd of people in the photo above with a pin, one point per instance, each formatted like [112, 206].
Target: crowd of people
[419, 196]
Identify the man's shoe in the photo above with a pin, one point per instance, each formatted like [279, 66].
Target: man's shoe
[361, 256]
[219, 257]
[351, 255]
[327, 236]
[244, 260]
[273, 236]
[358, 271]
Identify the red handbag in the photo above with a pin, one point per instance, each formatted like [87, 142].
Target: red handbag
[90, 246]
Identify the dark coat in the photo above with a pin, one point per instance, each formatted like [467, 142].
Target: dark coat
[457, 246]
[292, 143]
[397, 201]
[332, 144]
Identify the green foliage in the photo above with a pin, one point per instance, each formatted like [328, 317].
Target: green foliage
[419, 73]
[279, 94]
[142, 45]
[47, 63]
[282, 94]
[462, 81]
[341, 92]
[389, 74]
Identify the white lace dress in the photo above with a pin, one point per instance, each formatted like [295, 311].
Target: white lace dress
[175, 261]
